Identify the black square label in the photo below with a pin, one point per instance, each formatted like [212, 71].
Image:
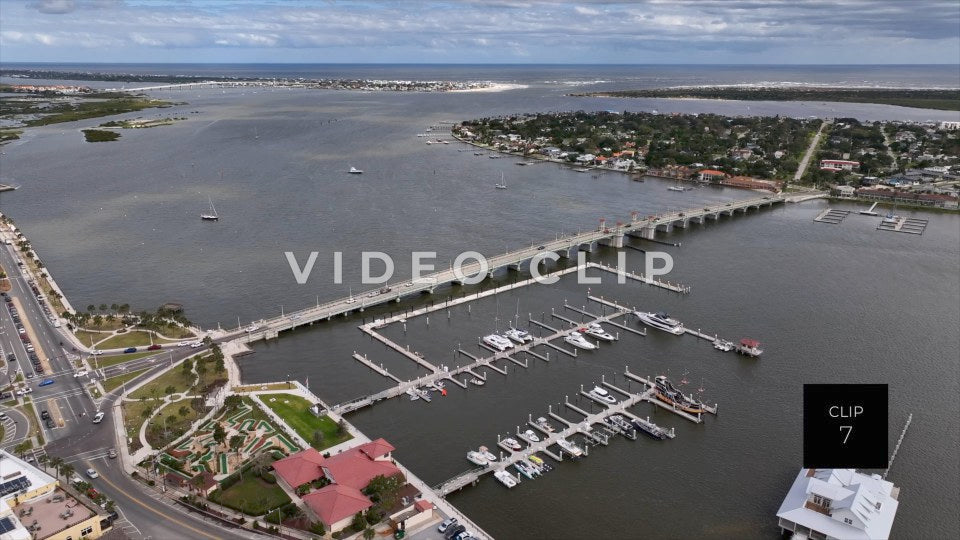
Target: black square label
[845, 426]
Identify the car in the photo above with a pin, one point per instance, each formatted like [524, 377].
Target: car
[21, 330]
[46, 382]
[92, 473]
[97, 418]
[11, 357]
[446, 524]
[154, 347]
[454, 531]
[50, 424]
[29, 376]
[112, 453]
[541, 247]
[4, 395]
[44, 414]
[183, 343]
[96, 351]
[130, 350]
[196, 345]
[80, 373]
[3, 415]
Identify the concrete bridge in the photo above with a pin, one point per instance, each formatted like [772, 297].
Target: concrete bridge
[517, 260]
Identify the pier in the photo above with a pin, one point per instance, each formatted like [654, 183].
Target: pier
[599, 436]
[565, 247]
[832, 216]
[904, 225]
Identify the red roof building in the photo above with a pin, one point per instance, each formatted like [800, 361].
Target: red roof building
[300, 468]
[378, 449]
[336, 505]
[355, 469]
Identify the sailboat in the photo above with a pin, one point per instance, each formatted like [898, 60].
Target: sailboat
[677, 187]
[354, 170]
[502, 184]
[211, 215]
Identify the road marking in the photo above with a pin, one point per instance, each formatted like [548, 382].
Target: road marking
[161, 514]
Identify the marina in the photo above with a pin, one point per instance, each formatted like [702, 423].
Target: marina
[832, 216]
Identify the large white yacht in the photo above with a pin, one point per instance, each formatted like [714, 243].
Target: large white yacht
[487, 454]
[660, 321]
[597, 331]
[570, 448]
[505, 478]
[602, 395]
[477, 458]
[577, 340]
[520, 336]
[531, 435]
[498, 342]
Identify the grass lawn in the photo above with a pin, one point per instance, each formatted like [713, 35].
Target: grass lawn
[85, 336]
[160, 433]
[107, 361]
[251, 496]
[135, 338]
[261, 387]
[132, 419]
[297, 415]
[116, 382]
[31, 417]
[174, 377]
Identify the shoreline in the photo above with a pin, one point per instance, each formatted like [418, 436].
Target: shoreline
[494, 87]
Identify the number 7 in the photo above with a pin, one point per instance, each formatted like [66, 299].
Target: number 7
[849, 431]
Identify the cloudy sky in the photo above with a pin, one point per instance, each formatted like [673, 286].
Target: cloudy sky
[482, 31]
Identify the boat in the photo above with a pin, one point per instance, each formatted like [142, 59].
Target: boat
[570, 448]
[519, 336]
[531, 435]
[891, 218]
[544, 424]
[723, 345]
[487, 454]
[677, 188]
[537, 469]
[524, 468]
[478, 153]
[211, 215]
[354, 170]
[597, 331]
[439, 385]
[648, 427]
[660, 321]
[476, 382]
[602, 395]
[511, 443]
[505, 478]
[577, 340]
[477, 458]
[539, 463]
[749, 347]
[424, 395]
[502, 184]
[668, 393]
[414, 395]
[498, 342]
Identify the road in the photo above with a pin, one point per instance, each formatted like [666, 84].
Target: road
[810, 151]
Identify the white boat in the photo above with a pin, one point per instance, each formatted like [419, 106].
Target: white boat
[511, 443]
[723, 345]
[354, 170]
[487, 454]
[414, 395]
[660, 321]
[577, 340]
[570, 448]
[477, 458]
[544, 424]
[749, 347]
[597, 331]
[891, 218]
[531, 435]
[212, 214]
[519, 336]
[505, 478]
[602, 395]
[476, 382]
[439, 385]
[502, 184]
[677, 188]
[498, 342]
[525, 469]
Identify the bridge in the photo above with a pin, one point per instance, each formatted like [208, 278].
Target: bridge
[186, 86]
[521, 259]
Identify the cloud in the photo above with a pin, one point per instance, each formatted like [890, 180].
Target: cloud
[54, 7]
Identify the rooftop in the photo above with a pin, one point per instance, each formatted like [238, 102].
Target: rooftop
[334, 503]
[52, 513]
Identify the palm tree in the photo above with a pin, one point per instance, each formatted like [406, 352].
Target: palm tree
[56, 462]
[42, 460]
[22, 448]
[66, 470]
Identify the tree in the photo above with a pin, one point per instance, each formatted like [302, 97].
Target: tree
[207, 340]
[56, 462]
[369, 533]
[236, 442]
[184, 410]
[317, 439]
[91, 307]
[219, 434]
[187, 366]
[341, 427]
[169, 389]
[220, 367]
[232, 401]
[114, 307]
[103, 307]
[43, 460]
[67, 470]
[359, 523]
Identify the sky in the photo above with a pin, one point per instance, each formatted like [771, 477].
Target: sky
[482, 31]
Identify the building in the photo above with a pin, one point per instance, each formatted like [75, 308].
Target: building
[347, 473]
[711, 175]
[839, 503]
[845, 191]
[950, 125]
[34, 506]
[838, 165]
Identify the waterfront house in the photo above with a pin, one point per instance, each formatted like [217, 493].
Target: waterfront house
[838, 165]
[839, 503]
[845, 191]
[712, 175]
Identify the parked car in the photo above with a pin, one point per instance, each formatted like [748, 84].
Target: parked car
[154, 347]
[50, 424]
[46, 382]
[130, 350]
[446, 524]
[44, 414]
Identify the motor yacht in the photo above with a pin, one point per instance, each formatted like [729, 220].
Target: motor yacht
[497, 342]
[597, 331]
[723, 345]
[570, 448]
[660, 321]
[531, 435]
[511, 443]
[602, 395]
[487, 454]
[505, 478]
[477, 458]
[577, 340]
[544, 424]
[476, 382]
[519, 336]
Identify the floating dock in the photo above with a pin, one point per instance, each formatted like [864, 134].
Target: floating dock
[904, 224]
[832, 216]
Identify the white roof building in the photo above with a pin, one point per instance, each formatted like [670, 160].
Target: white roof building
[839, 503]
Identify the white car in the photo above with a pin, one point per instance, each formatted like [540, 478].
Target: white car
[196, 345]
[182, 344]
[92, 473]
[81, 373]
[96, 351]
[97, 418]
[447, 523]
[24, 391]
